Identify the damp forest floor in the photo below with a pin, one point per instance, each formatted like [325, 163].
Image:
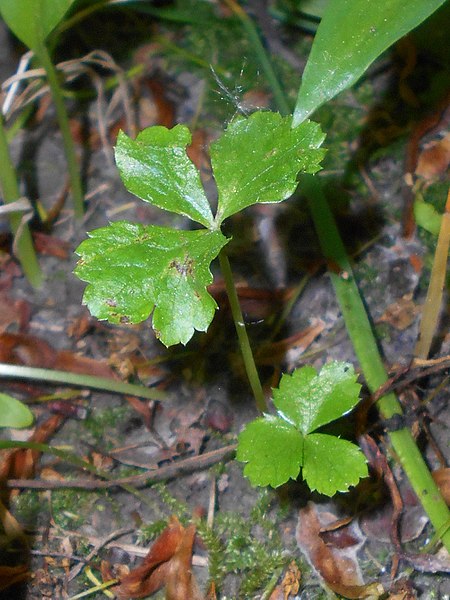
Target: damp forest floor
[250, 543]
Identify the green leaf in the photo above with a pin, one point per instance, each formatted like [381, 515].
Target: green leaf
[32, 20]
[276, 447]
[352, 34]
[332, 465]
[156, 168]
[132, 269]
[272, 449]
[309, 399]
[14, 413]
[258, 158]
[427, 217]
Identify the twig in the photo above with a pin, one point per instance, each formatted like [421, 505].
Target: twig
[100, 543]
[183, 467]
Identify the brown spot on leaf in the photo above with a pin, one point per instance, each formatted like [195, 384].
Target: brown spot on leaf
[184, 268]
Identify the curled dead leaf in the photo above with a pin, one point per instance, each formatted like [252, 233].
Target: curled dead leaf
[339, 569]
[168, 563]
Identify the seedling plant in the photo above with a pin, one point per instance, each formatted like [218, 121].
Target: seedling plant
[134, 270]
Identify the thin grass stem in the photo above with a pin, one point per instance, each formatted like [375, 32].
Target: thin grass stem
[63, 122]
[241, 331]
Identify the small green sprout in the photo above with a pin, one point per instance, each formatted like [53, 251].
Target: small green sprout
[276, 448]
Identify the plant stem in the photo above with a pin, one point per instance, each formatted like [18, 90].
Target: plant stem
[368, 355]
[84, 381]
[63, 121]
[241, 331]
[262, 56]
[433, 302]
[10, 188]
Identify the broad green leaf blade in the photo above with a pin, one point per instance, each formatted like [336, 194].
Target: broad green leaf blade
[156, 168]
[32, 20]
[308, 399]
[132, 269]
[257, 159]
[14, 413]
[272, 449]
[332, 465]
[352, 34]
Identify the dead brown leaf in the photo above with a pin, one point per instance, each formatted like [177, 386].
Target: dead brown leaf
[256, 303]
[339, 569]
[21, 463]
[289, 585]
[442, 480]
[13, 312]
[434, 159]
[49, 245]
[168, 563]
[276, 352]
[401, 314]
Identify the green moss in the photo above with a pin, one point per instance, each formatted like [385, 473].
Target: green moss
[27, 507]
[99, 421]
[248, 547]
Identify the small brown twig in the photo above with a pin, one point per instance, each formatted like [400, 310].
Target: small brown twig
[194, 463]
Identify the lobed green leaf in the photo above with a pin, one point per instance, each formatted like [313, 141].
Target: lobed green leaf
[309, 399]
[134, 269]
[33, 20]
[156, 168]
[276, 447]
[14, 413]
[272, 449]
[257, 159]
[332, 465]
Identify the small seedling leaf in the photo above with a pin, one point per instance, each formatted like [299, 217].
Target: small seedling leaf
[309, 399]
[257, 159]
[276, 447]
[332, 465]
[272, 449]
[156, 168]
[14, 413]
[132, 269]
[32, 20]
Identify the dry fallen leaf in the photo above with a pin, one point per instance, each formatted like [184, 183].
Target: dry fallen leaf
[168, 563]
[339, 569]
[21, 463]
[289, 585]
[442, 480]
[401, 314]
[434, 159]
